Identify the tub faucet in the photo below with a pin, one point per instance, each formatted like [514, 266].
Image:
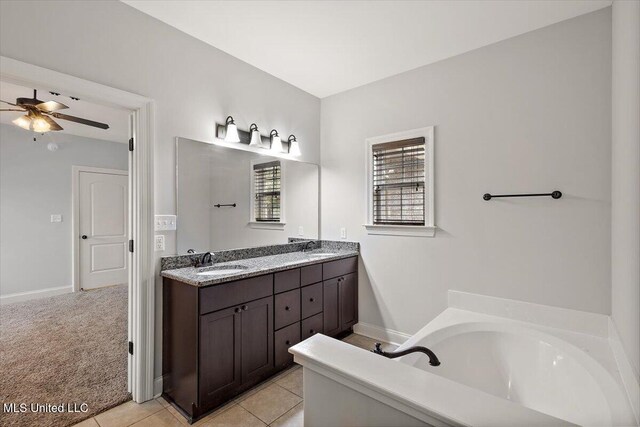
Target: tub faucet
[206, 260]
[433, 359]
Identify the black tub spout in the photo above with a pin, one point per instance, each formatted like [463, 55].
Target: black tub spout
[433, 359]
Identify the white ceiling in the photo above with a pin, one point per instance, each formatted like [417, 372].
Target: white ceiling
[117, 119]
[326, 47]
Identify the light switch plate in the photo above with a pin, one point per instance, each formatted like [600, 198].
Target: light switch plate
[343, 233]
[159, 245]
[165, 222]
[56, 218]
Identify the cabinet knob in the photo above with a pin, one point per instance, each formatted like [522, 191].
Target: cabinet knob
[244, 307]
[237, 310]
[287, 308]
[311, 300]
[287, 342]
[84, 237]
[311, 331]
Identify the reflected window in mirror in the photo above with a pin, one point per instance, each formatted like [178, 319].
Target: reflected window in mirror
[267, 191]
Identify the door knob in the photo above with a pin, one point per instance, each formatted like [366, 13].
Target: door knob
[84, 237]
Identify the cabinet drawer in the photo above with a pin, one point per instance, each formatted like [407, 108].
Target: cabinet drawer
[340, 267]
[310, 274]
[285, 338]
[218, 297]
[287, 308]
[286, 280]
[311, 300]
[311, 326]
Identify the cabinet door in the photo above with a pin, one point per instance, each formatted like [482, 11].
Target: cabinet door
[348, 300]
[331, 311]
[220, 363]
[257, 339]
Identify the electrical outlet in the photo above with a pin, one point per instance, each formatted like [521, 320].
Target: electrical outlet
[56, 218]
[165, 222]
[159, 242]
[300, 231]
[343, 233]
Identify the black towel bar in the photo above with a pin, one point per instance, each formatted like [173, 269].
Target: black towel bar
[555, 195]
[233, 205]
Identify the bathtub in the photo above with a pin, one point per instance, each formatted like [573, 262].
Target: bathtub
[495, 371]
[546, 370]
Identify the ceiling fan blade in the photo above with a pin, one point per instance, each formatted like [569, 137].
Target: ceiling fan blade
[50, 106]
[52, 123]
[10, 103]
[79, 120]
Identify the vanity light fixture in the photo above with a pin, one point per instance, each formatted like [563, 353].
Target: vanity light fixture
[294, 148]
[231, 134]
[256, 139]
[276, 142]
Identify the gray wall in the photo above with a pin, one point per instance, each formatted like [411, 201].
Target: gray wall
[625, 185]
[193, 84]
[36, 254]
[529, 114]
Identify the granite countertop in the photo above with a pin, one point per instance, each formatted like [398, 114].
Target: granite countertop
[255, 266]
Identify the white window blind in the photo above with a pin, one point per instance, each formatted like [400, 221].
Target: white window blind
[266, 184]
[399, 182]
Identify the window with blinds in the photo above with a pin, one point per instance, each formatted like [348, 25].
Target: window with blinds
[266, 185]
[399, 182]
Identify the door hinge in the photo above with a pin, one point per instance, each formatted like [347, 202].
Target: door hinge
[130, 245]
[130, 144]
[131, 348]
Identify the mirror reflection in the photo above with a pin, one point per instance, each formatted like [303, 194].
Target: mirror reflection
[229, 198]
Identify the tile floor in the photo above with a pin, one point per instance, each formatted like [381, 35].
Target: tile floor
[277, 402]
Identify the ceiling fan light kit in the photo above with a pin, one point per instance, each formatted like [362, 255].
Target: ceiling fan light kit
[230, 133]
[38, 118]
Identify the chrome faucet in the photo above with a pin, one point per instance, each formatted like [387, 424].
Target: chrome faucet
[206, 260]
[307, 245]
[433, 359]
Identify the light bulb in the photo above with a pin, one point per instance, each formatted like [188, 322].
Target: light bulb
[276, 142]
[256, 140]
[40, 125]
[294, 148]
[24, 122]
[231, 134]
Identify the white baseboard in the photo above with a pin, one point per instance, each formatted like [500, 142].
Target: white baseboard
[629, 376]
[382, 334]
[157, 386]
[42, 293]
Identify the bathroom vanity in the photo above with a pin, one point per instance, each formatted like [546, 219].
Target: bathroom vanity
[229, 326]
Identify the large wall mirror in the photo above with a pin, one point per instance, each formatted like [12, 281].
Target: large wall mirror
[229, 198]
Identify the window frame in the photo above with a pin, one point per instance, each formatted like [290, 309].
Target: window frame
[429, 228]
[267, 225]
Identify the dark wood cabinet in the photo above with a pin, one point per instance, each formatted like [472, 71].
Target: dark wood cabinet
[220, 357]
[331, 308]
[257, 339]
[220, 340]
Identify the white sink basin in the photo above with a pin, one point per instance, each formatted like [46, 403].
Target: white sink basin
[218, 271]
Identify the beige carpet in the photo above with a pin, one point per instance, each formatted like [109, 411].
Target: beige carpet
[67, 349]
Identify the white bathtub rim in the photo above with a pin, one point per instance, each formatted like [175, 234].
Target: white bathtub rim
[391, 383]
[454, 321]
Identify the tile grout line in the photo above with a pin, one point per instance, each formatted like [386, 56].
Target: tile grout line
[274, 421]
[268, 424]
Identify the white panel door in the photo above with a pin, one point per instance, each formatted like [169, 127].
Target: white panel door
[103, 216]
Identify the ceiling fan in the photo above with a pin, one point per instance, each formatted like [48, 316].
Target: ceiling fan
[39, 113]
